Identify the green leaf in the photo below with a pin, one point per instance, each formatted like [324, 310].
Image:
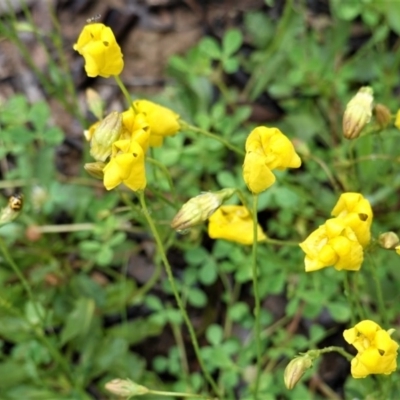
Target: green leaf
[39, 115]
[53, 136]
[230, 65]
[79, 320]
[214, 334]
[340, 312]
[231, 41]
[196, 297]
[238, 311]
[208, 272]
[210, 47]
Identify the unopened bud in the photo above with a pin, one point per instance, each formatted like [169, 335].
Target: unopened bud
[105, 134]
[358, 113]
[388, 240]
[383, 115]
[95, 169]
[199, 208]
[12, 210]
[95, 103]
[301, 148]
[296, 369]
[126, 388]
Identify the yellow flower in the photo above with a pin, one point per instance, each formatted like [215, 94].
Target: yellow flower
[161, 120]
[356, 212]
[332, 244]
[397, 120]
[377, 351]
[126, 165]
[267, 149]
[233, 223]
[97, 45]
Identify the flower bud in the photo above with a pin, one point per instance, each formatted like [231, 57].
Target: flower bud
[388, 240]
[296, 369]
[126, 388]
[12, 210]
[199, 208]
[358, 113]
[105, 134]
[95, 169]
[383, 115]
[95, 103]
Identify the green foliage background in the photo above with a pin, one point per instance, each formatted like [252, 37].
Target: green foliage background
[55, 341]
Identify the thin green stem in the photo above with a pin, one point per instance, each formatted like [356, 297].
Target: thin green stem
[338, 349]
[21, 277]
[257, 302]
[185, 125]
[179, 394]
[178, 299]
[280, 242]
[354, 298]
[379, 294]
[125, 92]
[164, 169]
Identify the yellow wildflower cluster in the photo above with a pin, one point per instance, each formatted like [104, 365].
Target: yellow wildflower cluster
[377, 351]
[266, 149]
[119, 142]
[340, 241]
[124, 138]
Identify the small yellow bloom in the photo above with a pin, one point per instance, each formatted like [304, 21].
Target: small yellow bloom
[199, 208]
[97, 45]
[358, 113]
[397, 120]
[267, 149]
[332, 244]
[126, 166]
[377, 351]
[356, 212]
[233, 223]
[161, 120]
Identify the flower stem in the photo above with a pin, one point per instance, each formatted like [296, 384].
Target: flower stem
[171, 279]
[124, 91]
[379, 294]
[338, 349]
[185, 125]
[179, 394]
[257, 303]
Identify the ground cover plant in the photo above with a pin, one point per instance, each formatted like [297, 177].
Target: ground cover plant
[233, 236]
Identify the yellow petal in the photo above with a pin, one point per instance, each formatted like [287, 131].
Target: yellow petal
[233, 223]
[256, 174]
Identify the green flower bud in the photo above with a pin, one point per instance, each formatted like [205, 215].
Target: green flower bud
[126, 388]
[296, 369]
[358, 113]
[199, 208]
[95, 169]
[106, 133]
